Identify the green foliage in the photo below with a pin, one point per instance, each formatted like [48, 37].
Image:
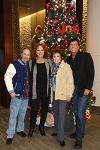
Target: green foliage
[61, 25]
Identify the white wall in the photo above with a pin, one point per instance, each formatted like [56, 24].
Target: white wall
[93, 42]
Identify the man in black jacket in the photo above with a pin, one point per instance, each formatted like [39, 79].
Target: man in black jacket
[83, 72]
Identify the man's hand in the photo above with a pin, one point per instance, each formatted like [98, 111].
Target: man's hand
[86, 92]
[12, 94]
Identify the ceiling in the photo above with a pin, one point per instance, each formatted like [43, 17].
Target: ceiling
[27, 7]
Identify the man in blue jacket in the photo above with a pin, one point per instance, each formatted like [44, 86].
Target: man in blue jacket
[17, 83]
[83, 72]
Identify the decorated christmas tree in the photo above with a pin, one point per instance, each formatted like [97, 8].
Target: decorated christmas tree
[61, 25]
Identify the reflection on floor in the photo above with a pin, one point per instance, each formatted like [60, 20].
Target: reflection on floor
[90, 142]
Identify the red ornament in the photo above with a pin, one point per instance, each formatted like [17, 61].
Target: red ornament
[55, 22]
[63, 28]
[48, 6]
[69, 9]
[75, 29]
[64, 43]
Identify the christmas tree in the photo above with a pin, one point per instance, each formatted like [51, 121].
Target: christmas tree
[61, 25]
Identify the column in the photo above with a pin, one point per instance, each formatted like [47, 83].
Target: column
[93, 42]
[9, 42]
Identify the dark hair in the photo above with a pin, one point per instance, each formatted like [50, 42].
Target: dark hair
[44, 48]
[38, 29]
[23, 48]
[73, 40]
[56, 50]
[69, 1]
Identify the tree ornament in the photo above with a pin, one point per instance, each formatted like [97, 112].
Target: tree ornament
[61, 25]
[59, 4]
[59, 39]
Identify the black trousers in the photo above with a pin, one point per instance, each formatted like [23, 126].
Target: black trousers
[35, 104]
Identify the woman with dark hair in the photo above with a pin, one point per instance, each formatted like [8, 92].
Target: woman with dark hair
[40, 72]
[62, 88]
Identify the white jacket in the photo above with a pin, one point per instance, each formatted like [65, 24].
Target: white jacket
[64, 82]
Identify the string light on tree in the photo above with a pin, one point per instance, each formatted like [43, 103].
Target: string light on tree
[61, 24]
[59, 4]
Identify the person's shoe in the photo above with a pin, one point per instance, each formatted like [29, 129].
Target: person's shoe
[42, 131]
[30, 133]
[62, 143]
[9, 141]
[73, 135]
[78, 144]
[54, 134]
[22, 133]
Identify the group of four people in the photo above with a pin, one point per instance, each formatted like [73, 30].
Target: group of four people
[44, 79]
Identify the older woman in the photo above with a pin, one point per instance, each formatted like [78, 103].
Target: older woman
[40, 72]
[62, 88]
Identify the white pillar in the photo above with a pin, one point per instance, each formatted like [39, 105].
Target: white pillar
[93, 42]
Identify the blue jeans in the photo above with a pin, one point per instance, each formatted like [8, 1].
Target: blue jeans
[79, 107]
[18, 109]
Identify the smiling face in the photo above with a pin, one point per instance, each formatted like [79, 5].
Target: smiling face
[40, 52]
[74, 47]
[56, 58]
[25, 55]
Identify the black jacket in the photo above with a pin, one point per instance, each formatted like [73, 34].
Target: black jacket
[83, 71]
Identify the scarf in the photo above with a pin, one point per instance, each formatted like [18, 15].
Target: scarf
[55, 68]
